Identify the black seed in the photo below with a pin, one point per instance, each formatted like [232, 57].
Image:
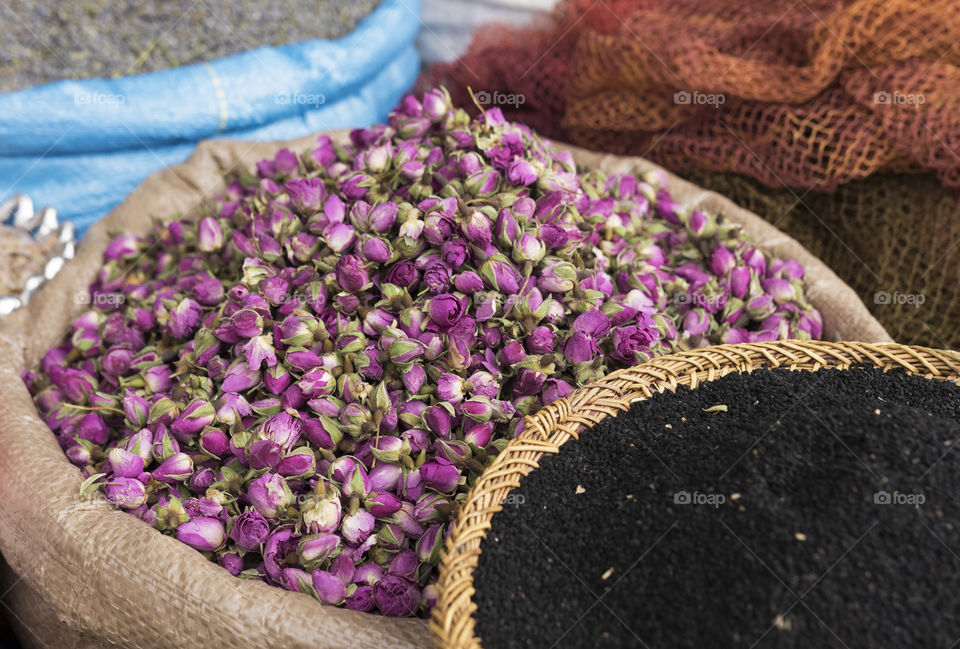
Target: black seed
[798, 552]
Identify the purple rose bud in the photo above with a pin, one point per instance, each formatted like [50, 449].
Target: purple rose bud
[136, 409]
[350, 273]
[202, 533]
[384, 477]
[361, 599]
[358, 483]
[476, 229]
[478, 408]
[437, 276]
[701, 224]
[277, 379]
[283, 429]
[404, 564]
[321, 515]
[357, 526]
[250, 530]
[93, 429]
[736, 335]
[512, 353]
[554, 390]
[184, 318]
[414, 378]
[404, 274]
[176, 468]
[528, 248]
[529, 382]
[396, 596]
[468, 282]
[315, 550]
[209, 235]
[721, 261]
[696, 322]
[298, 464]
[234, 407]
[430, 544]
[447, 310]
[781, 290]
[541, 340]
[455, 253]
[376, 250]
[368, 573]
[302, 360]
[264, 454]
[77, 385]
[193, 418]
[739, 281]
[330, 589]
[340, 237]
[156, 378]
[307, 194]
[78, 454]
[440, 475]
[240, 378]
[388, 449]
[231, 562]
[762, 306]
[125, 464]
[383, 505]
[382, 217]
[122, 247]
[628, 341]
[580, 348]
[478, 434]
[164, 444]
[438, 419]
[126, 493]
[755, 259]
[117, 361]
[500, 274]
[141, 443]
[506, 229]
[594, 324]
[323, 433]
[317, 382]
[200, 481]
[521, 173]
[268, 494]
[450, 388]
[436, 104]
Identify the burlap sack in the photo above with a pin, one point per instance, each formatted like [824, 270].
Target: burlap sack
[84, 575]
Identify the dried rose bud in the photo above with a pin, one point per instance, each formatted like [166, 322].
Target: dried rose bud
[176, 468]
[268, 494]
[124, 464]
[203, 533]
[329, 588]
[124, 492]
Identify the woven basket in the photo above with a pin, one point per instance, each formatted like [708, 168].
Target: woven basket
[544, 433]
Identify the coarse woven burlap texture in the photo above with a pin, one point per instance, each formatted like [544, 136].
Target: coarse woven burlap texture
[83, 575]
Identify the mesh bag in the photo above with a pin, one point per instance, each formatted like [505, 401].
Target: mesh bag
[815, 95]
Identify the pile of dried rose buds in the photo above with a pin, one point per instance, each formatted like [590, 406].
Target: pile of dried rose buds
[302, 380]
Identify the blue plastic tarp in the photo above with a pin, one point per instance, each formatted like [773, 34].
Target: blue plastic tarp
[82, 146]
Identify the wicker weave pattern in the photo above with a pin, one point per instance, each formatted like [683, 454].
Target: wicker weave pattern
[544, 433]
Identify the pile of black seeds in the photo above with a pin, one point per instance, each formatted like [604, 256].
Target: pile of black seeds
[48, 40]
[772, 509]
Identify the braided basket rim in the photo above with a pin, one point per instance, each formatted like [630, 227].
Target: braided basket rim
[452, 622]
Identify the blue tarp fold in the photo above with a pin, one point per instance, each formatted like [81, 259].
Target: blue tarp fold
[82, 146]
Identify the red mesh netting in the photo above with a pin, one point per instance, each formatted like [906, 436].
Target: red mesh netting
[809, 94]
[812, 92]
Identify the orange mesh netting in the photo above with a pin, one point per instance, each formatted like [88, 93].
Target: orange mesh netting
[808, 94]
